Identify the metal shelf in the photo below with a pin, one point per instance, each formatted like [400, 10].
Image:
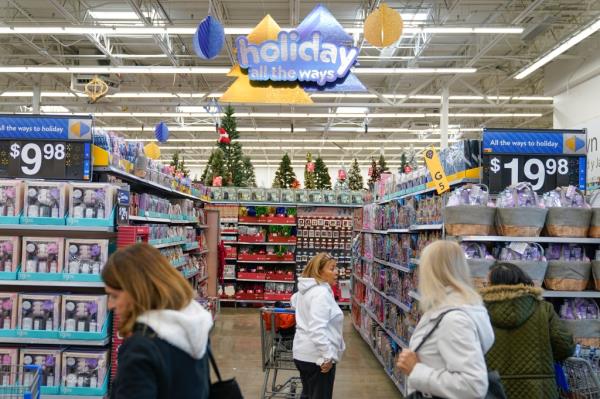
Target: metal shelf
[36, 283]
[160, 220]
[402, 268]
[392, 231]
[267, 224]
[395, 301]
[411, 192]
[396, 338]
[48, 227]
[419, 227]
[269, 262]
[169, 244]
[571, 294]
[53, 341]
[264, 243]
[415, 295]
[267, 281]
[565, 240]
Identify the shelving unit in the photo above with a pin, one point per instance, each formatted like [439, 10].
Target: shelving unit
[61, 342]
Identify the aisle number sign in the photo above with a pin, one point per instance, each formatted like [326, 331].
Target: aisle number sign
[434, 165]
[45, 147]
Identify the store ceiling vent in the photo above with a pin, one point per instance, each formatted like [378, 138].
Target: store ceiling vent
[533, 29]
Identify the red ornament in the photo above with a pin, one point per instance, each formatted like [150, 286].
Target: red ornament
[217, 181]
[341, 174]
[295, 184]
[224, 136]
[310, 166]
[407, 169]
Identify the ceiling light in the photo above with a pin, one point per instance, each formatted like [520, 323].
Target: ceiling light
[410, 71]
[473, 30]
[352, 110]
[55, 109]
[574, 39]
[121, 15]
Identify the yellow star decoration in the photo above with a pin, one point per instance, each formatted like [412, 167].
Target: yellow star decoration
[245, 91]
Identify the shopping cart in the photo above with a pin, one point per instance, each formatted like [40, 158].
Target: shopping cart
[20, 382]
[583, 377]
[277, 327]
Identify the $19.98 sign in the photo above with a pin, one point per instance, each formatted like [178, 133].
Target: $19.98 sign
[545, 158]
[45, 147]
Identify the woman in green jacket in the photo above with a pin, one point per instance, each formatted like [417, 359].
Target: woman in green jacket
[530, 336]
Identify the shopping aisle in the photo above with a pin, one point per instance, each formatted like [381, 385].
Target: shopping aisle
[236, 344]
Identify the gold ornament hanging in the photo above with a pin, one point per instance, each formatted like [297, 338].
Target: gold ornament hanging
[95, 89]
[383, 27]
[152, 150]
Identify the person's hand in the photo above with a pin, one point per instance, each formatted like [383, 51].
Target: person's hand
[325, 367]
[407, 361]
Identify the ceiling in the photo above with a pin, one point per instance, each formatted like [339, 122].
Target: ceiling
[399, 111]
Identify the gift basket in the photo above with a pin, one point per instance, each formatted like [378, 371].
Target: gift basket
[468, 212]
[595, 221]
[569, 269]
[519, 212]
[479, 260]
[582, 318]
[529, 257]
[569, 215]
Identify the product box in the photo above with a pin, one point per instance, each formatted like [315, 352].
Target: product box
[85, 256]
[315, 196]
[11, 198]
[287, 195]
[48, 360]
[8, 310]
[42, 255]
[10, 251]
[9, 358]
[39, 312]
[258, 195]
[273, 195]
[301, 196]
[229, 194]
[91, 200]
[244, 195]
[83, 313]
[84, 369]
[44, 200]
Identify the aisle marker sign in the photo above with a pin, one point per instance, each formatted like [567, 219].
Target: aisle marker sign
[434, 165]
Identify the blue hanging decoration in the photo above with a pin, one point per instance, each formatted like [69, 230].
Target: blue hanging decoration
[209, 38]
[161, 132]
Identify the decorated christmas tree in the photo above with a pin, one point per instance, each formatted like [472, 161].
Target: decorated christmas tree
[309, 173]
[214, 168]
[179, 164]
[322, 178]
[403, 163]
[382, 166]
[373, 174]
[284, 176]
[355, 179]
[249, 179]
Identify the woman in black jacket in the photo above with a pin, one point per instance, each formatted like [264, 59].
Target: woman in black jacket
[164, 354]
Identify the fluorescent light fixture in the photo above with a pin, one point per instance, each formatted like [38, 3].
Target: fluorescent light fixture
[118, 15]
[55, 109]
[352, 110]
[411, 71]
[474, 30]
[412, 16]
[574, 39]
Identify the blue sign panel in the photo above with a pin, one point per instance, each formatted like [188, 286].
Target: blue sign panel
[45, 128]
[533, 142]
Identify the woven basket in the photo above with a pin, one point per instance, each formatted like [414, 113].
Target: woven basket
[594, 231]
[534, 269]
[568, 222]
[469, 220]
[480, 269]
[596, 274]
[520, 222]
[567, 276]
[585, 332]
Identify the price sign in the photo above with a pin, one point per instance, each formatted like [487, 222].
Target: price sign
[46, 148]
[545, 158]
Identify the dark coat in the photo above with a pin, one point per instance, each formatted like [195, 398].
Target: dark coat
[151, 368]
[530, 337]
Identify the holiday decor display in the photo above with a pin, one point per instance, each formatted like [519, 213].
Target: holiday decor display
[214, 167]
[284, 176]
[322, 178]
[152, 150]
[382, 165]
[95, 89]
[248, 176]
[374, 174]
[161, 132]
[209, 38]
[223, 137]
[295, 184]
[179, 165]
[355, 179]
[383, 27]
[309, 173]
[342, 180]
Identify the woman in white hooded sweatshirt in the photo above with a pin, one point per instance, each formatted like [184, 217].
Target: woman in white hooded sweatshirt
[319, 342]
[449, 363]
[164, 354]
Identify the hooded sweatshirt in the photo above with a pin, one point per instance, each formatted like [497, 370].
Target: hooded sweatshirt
[166, 356]
[451, 361]
[319, 323]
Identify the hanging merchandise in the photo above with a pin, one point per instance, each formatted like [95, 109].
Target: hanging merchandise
[152, 150]
[224, 136]
[161, 132]
[209, 38]
[96, 88]
[383, 27]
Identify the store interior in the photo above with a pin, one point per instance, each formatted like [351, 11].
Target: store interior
[242, 138]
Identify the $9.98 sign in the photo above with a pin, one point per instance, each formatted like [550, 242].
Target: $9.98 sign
[545, 158]
[45, 147]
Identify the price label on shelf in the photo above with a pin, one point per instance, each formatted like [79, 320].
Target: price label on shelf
[45, 147]
[545, 158]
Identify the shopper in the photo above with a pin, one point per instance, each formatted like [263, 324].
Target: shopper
[164, 354]
[529, 334]
[318, 343]
[448, 361]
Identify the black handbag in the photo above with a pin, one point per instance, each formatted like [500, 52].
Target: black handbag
[228, 389]
[495, 388]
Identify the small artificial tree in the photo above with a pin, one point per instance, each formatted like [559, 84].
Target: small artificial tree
[215, 167]
[382, 165]
[284, 176]
[309, 173]
[403, 163]
[322, 178]
[355, 179]
[374, 174]
[249, 178]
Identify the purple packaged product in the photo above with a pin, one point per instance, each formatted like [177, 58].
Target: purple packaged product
[554, 251]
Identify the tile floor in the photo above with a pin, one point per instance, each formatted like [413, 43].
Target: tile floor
[237, 347]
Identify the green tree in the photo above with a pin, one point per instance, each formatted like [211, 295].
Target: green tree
[214, 167]
[403, 163]
[322, 178]
[374, 174]
[382, 165]
[355, 179]
[249, 178]
[309, 177]
[284, 176]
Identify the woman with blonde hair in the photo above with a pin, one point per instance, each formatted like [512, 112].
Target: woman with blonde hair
[165, 330]
[319, 342]
[446, 355]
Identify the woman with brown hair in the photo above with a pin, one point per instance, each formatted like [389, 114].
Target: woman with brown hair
[165, 330]
[319, 342]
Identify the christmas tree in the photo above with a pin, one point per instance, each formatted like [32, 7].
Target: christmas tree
[322, 178]
[179, 165]
[249, 178]
[215, 167]
[403, 163]
[374, 174]
[309, 173]
[285, 176]
[382, 165]
[355, 179]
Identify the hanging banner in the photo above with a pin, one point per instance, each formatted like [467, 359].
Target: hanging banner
[545, 158]
[434, 165]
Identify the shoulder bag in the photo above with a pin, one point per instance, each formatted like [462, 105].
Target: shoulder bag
[228, 389]
[495, 388]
